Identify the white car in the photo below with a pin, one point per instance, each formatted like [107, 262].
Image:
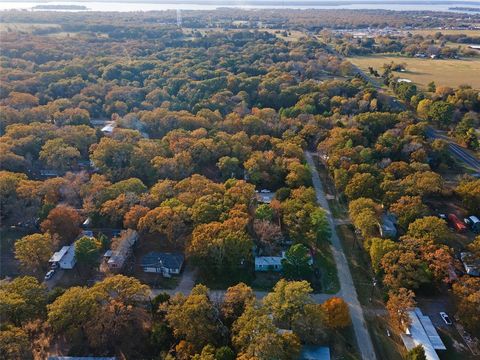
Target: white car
[49, 274]
[445, 318]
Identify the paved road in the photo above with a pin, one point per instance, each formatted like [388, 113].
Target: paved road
[347, 290]
[456, 150]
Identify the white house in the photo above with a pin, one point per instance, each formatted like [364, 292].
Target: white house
[65, 258]
[166, 264]
[269, 263]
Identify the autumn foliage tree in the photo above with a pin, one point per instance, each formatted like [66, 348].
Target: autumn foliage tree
[467, 296]
[398, 305]
[64, 222]
[336, 313]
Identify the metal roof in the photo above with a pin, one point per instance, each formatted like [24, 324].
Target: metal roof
[163, 259]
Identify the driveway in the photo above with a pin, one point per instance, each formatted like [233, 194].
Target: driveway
[347, 288]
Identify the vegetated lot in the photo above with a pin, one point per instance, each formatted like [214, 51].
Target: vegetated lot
[22, 27]
[8, 263]
[446, 32]
[447, 72]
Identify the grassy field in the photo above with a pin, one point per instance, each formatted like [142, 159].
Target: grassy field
[449, 72]
[446, 32]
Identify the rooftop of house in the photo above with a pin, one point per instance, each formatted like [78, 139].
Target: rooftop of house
[66, 253]
[311, 352]
[164, 259]
[422, 332]
[269, 260]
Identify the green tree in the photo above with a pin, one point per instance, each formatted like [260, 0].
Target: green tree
[34, 251]
[417, 353]
[287, 299]
[22, 299]
[87, 251]
[59, 155]
[297, 263]
[14, 344]
[469, 192]
[378, 248]
[441, 113]
[195, 319]
[430, 228]
[264, 212]
[408, 209]
[69, 313]
[365, 215]
[362, 185]
[255, 336]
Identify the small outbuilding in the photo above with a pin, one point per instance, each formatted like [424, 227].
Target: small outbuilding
[163, 263]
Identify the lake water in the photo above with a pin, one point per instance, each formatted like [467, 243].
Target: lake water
[125, 6]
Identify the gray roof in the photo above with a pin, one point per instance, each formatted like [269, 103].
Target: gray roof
[422, 332]
[164, 259]
[311, 352]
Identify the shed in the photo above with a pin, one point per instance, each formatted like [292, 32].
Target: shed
[163, 263]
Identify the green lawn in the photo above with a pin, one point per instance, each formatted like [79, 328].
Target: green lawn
[328, 270]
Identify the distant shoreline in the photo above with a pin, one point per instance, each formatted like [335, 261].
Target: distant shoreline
[60, 7]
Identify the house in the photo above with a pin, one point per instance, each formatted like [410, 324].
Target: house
[269, 263]
[109, 127]
[49, 173]
[471, 263]
[264, 196]
[65, 258]
[388, 226]
[163, 263]
[123, 249]
[422, 332]
[311, 352]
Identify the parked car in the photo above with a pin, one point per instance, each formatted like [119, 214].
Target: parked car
[445, 318]
[49, 274]
[456, 223]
